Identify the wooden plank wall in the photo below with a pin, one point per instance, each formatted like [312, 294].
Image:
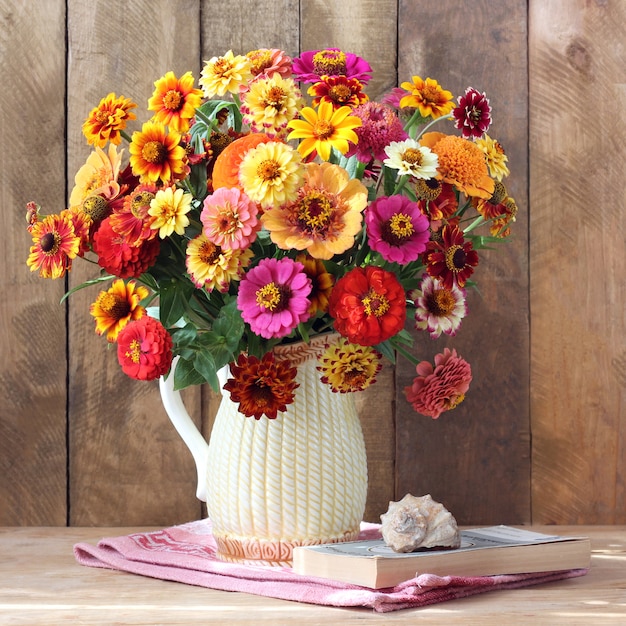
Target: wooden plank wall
[81, 444]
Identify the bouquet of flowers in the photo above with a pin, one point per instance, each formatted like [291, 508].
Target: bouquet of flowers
[273, 202]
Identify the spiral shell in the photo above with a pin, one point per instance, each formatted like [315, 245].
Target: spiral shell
[416, 523]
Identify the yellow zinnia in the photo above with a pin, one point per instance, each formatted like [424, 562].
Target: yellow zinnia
[169, 208]
[324, 129]
[271, 173]
[495, 156]
[224, 74]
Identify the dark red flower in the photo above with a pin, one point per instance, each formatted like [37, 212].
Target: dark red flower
[369, 305]
[450, 258]
[261, 386]
[473, 115]
[144, 349]
[119, 257]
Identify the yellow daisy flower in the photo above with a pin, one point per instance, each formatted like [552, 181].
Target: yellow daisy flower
[169, 208]
[117, 306]
[175, 100]
[324, 129]
[428, 96]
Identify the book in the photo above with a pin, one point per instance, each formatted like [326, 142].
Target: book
[485, 551]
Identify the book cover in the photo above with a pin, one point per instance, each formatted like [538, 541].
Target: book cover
[483, 552]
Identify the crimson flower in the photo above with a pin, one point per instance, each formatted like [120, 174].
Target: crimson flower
[450, 258]
[473, 115]
[117, 254]
[144, 349]
[442, 387]
[369, 305]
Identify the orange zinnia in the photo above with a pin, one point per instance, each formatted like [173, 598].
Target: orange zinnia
[461, 163]
[226, 167]
[175, 101]
[156, 154]
[107, 121]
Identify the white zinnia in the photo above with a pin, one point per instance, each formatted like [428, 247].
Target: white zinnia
[408, 157]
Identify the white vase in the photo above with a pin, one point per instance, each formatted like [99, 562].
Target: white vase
[273, 484]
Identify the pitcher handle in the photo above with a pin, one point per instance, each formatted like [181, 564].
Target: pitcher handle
[184, 425]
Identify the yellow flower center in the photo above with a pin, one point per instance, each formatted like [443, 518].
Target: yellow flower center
[323, 129]
[441, 302]
[329, 62]
[50, 243]
[454, 401]
[134, 351]
[102, 117]
[172, 100]
[455, 258]
[375, 303]
[273, 297]
[221, 67]
[96, 208]
[140, 203]
[154, 152]
[275, 97]
[209, 253]
[268, 170]
[113, 305]
[340, 94]
[314, 211]
[401, 225]
[430, 94]
[412, 156]
[260, 60]
[427, 189]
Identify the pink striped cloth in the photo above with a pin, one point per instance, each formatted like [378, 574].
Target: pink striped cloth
[186, 554]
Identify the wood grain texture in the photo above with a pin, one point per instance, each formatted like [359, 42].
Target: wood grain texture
[126, 460]
[578, 261]
[475, 459]
[32, 371]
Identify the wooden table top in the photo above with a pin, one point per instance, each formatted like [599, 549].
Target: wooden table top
[41, 583]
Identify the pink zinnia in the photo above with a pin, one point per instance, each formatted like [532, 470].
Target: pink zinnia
[273, 297]
[473, 115]
[397, 229]
[310, 66]
[380, 127]
[437, 308]
[229, 218]
[440, 388]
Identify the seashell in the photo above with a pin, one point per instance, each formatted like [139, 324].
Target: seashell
[418, 523]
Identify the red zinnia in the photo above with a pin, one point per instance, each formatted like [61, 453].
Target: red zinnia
[117, 254]
[451, 258]
[369, 305]
[144, 349]
[442, 387]
[261, 386]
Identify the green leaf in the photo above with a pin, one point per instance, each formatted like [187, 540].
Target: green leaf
[173, 300]
[230, 325]
[185, 375]
[206, 367]
[386, 349]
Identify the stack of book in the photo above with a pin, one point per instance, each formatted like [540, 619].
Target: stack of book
[489, 551]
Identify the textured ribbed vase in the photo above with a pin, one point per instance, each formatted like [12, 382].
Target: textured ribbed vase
[273, 484]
